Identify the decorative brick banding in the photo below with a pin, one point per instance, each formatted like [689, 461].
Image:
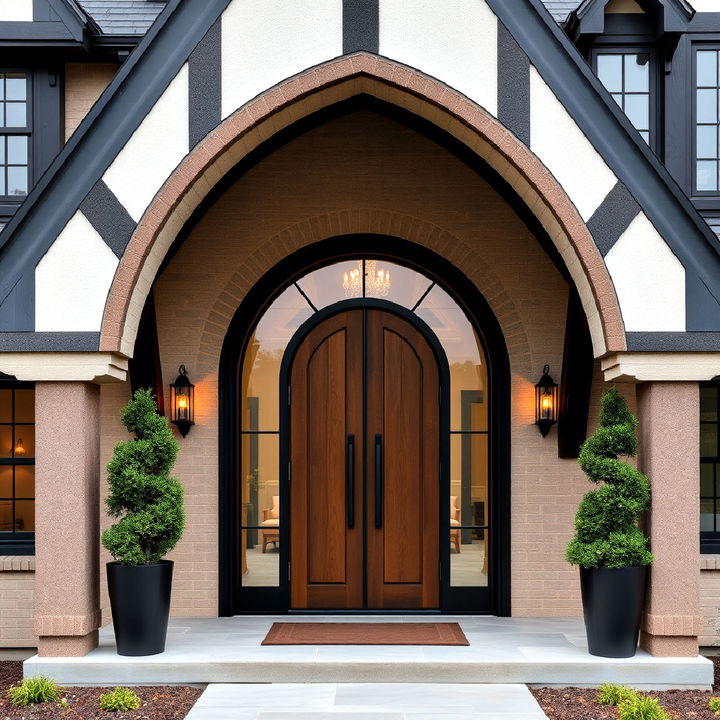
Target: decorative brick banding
[325, 85]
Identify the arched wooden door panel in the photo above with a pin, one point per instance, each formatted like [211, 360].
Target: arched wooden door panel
[364, 465]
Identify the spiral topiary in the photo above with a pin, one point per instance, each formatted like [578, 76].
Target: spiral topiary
[607, 534]
[147, 500]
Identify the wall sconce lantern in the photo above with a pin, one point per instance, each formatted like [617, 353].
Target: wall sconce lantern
[19, 448]
[546, 402]
[182, 402]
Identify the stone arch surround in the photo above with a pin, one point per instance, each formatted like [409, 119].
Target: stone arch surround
[370, 221]
[320, 87]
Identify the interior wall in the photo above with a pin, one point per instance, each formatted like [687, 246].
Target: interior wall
[366, 173]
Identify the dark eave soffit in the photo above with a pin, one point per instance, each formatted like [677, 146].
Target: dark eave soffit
[671, 17]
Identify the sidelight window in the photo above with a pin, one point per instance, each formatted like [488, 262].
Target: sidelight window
[709, 467]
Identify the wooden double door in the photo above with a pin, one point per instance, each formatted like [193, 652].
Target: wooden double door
[364, 465]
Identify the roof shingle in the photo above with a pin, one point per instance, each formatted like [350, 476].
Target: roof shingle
[123, 17]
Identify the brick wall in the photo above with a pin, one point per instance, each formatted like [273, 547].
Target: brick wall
[365, 173]
[710, 599]
[17, 585]
[84, 83]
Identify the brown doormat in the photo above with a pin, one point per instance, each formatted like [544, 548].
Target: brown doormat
[349, 633]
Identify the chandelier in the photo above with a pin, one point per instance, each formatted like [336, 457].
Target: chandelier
[377, 280]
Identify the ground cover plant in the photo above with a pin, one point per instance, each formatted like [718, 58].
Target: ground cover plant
[120, 699]
[33, 691]
[583, 703]
[82, 703]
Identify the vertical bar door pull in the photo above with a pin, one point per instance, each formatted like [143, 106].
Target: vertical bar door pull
[350, 481]
[378, 481]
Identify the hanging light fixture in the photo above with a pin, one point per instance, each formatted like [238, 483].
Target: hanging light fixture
[182, 402]
[546, 402]
[19, 448]
[377, 280]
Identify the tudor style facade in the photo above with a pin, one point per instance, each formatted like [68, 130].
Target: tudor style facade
[364, 228]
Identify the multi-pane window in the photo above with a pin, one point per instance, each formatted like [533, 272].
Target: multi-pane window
[17, 465]
[15, 134]
[707, 121]
[626, 76]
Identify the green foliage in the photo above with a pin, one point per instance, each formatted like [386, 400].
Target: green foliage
[641, 708]
[147, 500]
[610, 694]
[714, 705]
[606, 528]
[120, 699]
[34, 690]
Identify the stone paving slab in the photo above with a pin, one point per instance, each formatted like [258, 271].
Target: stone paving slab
[376, 701]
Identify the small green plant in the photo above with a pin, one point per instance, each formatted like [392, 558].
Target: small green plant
[147, 500]
[607, 534]
[120, 699]
[35, 690]
[641, 707]
[714, 705]
[614, 694]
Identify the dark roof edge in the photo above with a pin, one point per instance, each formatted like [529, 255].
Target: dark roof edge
[608, 129]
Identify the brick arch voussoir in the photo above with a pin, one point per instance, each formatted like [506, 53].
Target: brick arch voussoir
[192, 179]
[353, 221]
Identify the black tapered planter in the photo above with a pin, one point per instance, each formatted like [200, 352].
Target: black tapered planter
[140, 602]
[613, 600]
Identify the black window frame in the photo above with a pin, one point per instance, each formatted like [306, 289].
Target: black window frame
[695, 48]
[608, 47]
[27, 131]
[13, 542]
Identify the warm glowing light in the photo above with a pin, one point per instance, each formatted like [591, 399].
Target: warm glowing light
[19, 448]
[377, 280]
[182, 402]
[546, 402]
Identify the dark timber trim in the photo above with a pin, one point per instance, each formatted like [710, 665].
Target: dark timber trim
[102, 134]
[612, 218]
[673, 341]
[628, 156]
[576, 382]
[49, 342]
[109, 217]
[361, 26]
[205, 85]
[513, 85]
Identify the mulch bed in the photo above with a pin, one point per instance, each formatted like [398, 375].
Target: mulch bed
[159, 703]
[579, 703]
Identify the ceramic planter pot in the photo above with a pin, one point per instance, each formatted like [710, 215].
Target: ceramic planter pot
[140, 602]
[613, 600]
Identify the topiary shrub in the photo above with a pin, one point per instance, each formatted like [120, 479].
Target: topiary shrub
[147, 500]
[120, 700]
[607, 534]
[34, 690]
[609, 694]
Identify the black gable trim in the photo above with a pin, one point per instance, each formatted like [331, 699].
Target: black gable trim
[513, 86]
[612, 218]
[109, 217]
[673, 341]
[108, 126]
[49, 341]
[206, 84]
[361, 26]
[628, 156]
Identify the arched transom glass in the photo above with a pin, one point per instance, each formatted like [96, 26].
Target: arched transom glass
[260, 422]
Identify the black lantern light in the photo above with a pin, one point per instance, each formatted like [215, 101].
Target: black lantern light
[546, 402]
[182, 402]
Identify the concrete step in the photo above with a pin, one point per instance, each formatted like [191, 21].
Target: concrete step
[380, 701]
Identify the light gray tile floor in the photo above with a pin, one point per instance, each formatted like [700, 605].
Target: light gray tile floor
[538, 651]
[366, 702]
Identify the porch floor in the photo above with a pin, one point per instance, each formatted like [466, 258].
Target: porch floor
[537, 651]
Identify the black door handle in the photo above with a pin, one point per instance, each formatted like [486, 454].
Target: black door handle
[350, 481]
[378, 481]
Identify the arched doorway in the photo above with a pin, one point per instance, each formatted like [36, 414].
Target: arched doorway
[439, 540]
